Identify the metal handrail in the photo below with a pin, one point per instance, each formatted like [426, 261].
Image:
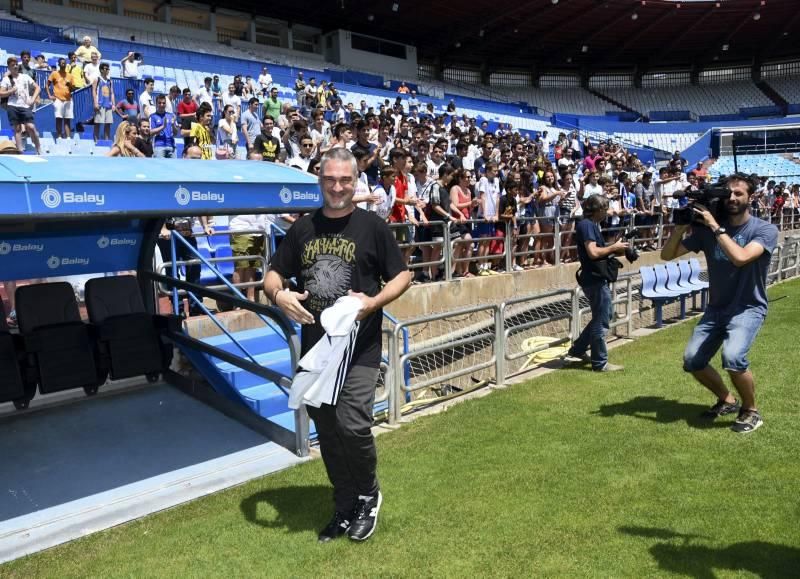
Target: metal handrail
[192, 290]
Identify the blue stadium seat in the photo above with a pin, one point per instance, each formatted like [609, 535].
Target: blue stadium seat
[653, 288]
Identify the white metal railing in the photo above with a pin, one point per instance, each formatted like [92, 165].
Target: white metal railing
[536, 241]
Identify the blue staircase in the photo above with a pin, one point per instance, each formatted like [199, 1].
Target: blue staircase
[263, 397]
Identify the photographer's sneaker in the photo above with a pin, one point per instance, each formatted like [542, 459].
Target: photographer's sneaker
[572, 359]
[338, 526]
[608, 367]
[365, 517]
[721, 408]
[748, 421]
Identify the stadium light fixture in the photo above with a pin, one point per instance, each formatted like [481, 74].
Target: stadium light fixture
[371, 17]
[458, 45]
[395, 7]
[584, 48]
[634, 16]
[725, 46]
[757, 16]
[554, 2]
[481, 32]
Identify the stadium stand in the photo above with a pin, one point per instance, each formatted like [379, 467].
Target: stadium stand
[776, 165]
[701, 100]
[788, 88]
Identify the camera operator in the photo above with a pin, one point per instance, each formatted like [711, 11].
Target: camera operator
[598, 269]
[738, 253]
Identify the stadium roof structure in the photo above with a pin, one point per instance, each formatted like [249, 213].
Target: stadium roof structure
[547, 35]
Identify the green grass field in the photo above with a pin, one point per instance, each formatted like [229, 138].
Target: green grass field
[571, 474]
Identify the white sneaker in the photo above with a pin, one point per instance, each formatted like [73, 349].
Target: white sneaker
[517, 268]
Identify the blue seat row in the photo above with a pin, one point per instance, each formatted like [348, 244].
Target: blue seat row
[665, 283]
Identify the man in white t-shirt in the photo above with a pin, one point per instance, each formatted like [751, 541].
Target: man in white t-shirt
[130, 65]
[264, 81]
[488, 191]
[91, 70]
[231, 98]
[22, 94]
[436, 161]
[203, 94]
[147, 105]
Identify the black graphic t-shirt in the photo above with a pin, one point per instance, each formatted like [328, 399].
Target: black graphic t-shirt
[329, 257]
[268, 146]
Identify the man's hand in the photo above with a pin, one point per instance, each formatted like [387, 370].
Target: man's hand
[619, 247]
[368, 304]
[209, 230]
[289, 302]
[708, 218]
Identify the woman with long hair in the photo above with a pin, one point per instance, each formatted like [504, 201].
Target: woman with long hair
[227, 134]
[462, 203]
[547, 198]
[125, 141]
[567, 208]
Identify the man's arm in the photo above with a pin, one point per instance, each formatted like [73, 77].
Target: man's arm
[595, 252]
[206, 226]
[674, 248]
[390, 292]
[738, 255]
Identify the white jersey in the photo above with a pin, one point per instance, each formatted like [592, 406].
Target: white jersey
[323, 370]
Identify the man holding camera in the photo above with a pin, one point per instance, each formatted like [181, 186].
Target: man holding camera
[598, 269]
[738, 253]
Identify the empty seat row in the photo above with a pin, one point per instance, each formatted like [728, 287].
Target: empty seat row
[665, 283]
[55, 350]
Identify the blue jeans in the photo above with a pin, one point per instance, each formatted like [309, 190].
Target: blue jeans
[594, 334]
[735, 332]
[164, 152]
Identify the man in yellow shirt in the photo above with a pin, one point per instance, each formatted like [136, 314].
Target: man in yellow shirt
[200, 132]
[85, 51]
[75, 69]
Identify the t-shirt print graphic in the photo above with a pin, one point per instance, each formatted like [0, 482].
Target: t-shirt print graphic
[328, 268]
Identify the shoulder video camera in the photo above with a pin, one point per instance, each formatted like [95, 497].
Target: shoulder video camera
[711, 196]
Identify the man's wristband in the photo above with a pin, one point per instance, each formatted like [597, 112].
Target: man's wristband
[275, 295]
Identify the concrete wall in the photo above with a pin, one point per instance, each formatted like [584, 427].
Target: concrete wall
[429, 298]
[97, 19]
[342, 53]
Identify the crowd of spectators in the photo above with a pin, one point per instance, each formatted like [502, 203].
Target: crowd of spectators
[419, 170]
